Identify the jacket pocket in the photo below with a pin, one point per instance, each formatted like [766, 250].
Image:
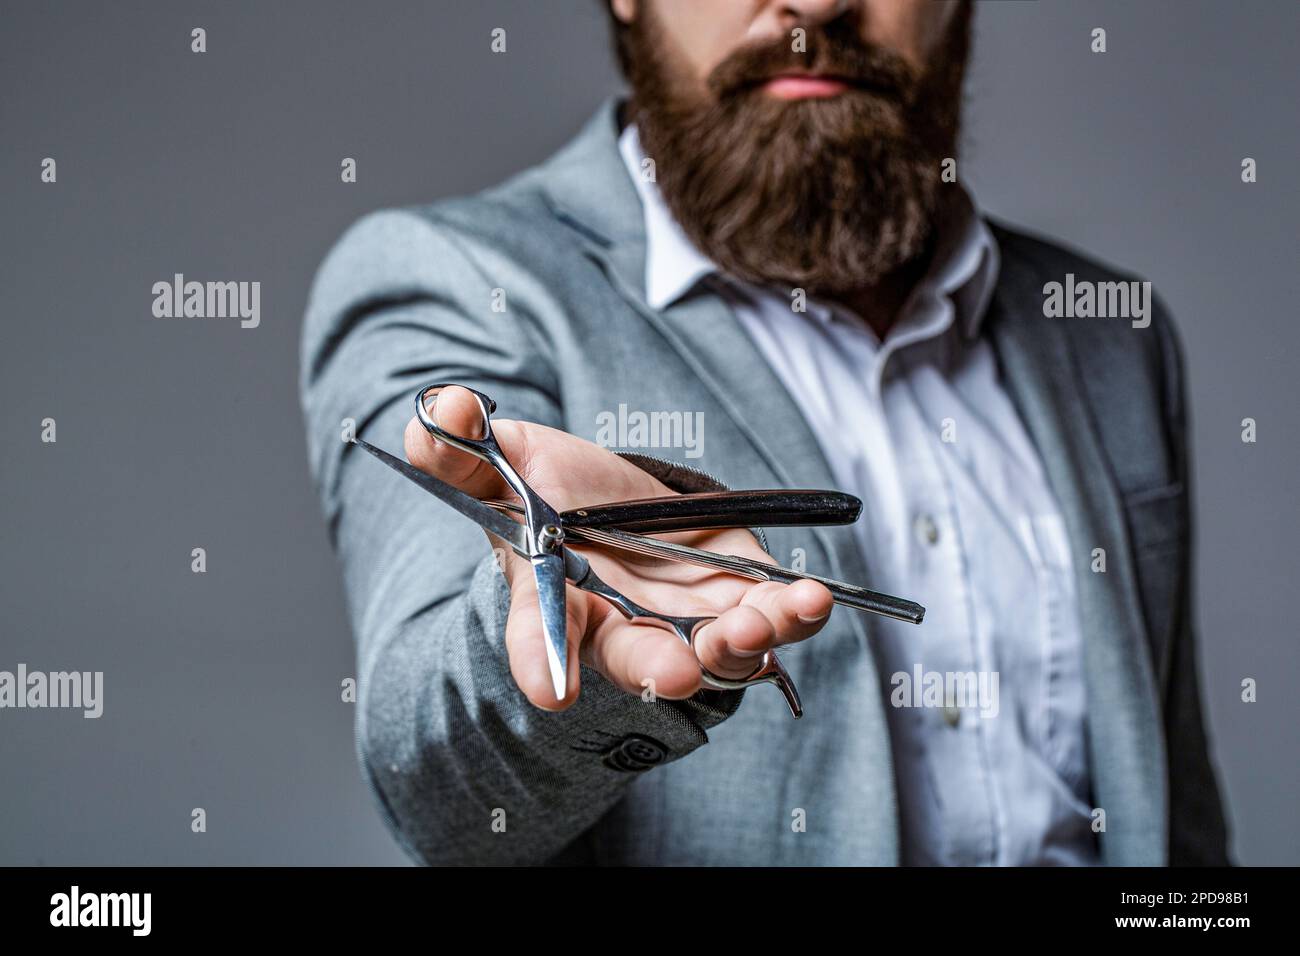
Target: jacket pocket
[1158, 534]
[1157, 518]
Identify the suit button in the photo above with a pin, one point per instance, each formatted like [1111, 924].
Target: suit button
[635, 754]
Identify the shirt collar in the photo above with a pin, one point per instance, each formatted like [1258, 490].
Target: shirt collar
[964, 267]
[672, 263]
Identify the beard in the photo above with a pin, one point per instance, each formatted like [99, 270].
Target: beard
[828, 195]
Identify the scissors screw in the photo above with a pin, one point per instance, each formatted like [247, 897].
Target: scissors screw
[550, 537]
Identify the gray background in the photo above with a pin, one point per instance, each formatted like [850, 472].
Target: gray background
[222, 689]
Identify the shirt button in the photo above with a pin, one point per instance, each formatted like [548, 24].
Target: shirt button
[951, 714]
[927, 532]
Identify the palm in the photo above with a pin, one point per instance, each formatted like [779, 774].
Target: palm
[569, 472]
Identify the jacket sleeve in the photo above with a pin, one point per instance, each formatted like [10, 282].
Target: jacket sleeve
[465, 768]
[1197, 830]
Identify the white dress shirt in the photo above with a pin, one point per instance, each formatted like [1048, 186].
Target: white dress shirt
[959, 516]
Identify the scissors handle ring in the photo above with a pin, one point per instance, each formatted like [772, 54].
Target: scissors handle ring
[770, 670]
[544, 525]
[484, 446]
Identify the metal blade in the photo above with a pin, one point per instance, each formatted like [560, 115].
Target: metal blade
[549, 572]
[848, 595]
[511, 532]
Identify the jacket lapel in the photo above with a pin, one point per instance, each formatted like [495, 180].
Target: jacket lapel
[1126, 749]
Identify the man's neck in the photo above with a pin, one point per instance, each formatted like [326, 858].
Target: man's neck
[880, 304]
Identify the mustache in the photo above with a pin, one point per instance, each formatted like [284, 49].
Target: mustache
[833, 50]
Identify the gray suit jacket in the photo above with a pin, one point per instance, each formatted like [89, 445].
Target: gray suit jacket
[453, 749]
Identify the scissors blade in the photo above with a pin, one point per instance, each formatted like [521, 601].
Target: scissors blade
[848, 595]
[513, 533]
[548, 569]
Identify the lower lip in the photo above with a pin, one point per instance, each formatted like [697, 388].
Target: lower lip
[804, 87]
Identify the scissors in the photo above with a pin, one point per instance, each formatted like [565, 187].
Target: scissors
[542, 536]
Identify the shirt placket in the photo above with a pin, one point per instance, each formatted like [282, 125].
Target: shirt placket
[951, 738]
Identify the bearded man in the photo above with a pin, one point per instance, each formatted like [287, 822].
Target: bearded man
[770, 235]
